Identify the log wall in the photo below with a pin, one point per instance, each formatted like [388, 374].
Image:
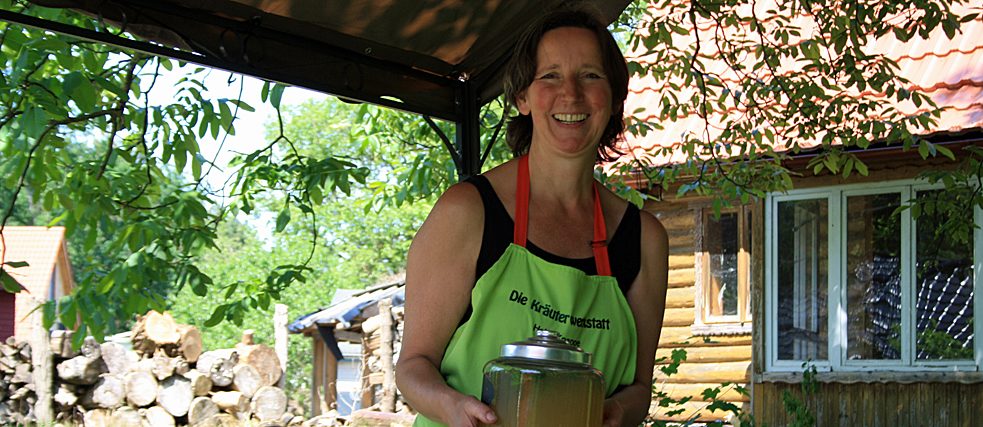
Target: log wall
[875, 404]
[711, 360]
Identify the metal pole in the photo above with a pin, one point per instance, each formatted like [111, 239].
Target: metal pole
[468, 131]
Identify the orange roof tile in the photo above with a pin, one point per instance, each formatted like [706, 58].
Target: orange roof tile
[948, 71]
[41, 248]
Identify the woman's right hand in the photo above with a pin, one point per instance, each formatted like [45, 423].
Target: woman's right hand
[470, 412]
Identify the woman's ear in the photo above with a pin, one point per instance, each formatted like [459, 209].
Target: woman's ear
[521, 104]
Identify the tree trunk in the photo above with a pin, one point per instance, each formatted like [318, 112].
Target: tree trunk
[174, 395]
[264, 359]
[108, 392]
[269, 403]
[388, 401]
[201, 383]
[141, 388]
[154, 330]
[81, 370]
[246, 380]
[232, 402]
[158, 417]
[201, 409]
[281, 340]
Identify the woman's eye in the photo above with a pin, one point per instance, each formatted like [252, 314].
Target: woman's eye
[548, 76]
[592, 75]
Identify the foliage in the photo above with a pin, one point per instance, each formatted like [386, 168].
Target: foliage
[936, 344]
[673, 406]
[801, 412]
[772, 80]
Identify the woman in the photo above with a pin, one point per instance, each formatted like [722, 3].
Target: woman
[536, 227]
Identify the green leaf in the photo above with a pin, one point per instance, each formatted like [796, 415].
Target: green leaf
[16, 264]
[9, 283]
[276, 94]
[283, 219]
[217, 316]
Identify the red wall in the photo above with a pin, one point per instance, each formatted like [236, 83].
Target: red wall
[6, 314]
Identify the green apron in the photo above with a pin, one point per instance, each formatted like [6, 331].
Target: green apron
[522, 293]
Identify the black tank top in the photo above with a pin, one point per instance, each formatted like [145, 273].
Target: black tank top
[624, 246]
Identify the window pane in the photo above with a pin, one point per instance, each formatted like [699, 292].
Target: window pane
[873, 277]
[944, 278]
[802, 279]
[721, 245]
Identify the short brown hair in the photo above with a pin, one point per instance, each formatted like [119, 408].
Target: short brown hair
[521, 70]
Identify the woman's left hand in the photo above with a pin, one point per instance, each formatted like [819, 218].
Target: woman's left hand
[614, 413]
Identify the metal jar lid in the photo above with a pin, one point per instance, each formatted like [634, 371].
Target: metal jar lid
[546, 346]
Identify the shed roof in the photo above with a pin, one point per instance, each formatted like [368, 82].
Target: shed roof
[950, 71]
[42, 248]
[348, 304]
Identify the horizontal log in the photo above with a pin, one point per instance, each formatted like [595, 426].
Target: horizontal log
[681, 261]
[736, 353]
[716, 373]
[682, 277]
[679, 297]
[692, 411]
[683, 337]
[695, 391]
[679, 317]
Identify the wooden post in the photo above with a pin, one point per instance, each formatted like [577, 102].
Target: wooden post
[388, 403]
[43, 367]
[281, 340]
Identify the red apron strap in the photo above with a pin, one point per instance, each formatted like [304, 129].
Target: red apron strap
[521, 213]
[519, 236]
[600, 242]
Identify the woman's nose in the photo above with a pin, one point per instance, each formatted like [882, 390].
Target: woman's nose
[571, 88]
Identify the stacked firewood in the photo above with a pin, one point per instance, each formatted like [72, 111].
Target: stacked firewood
[382, 337]
[166, 379]
[17, 393]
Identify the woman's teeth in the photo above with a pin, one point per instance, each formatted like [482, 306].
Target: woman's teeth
[570, 118]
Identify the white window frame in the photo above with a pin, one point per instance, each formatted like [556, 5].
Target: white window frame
[705, 324]
[836, 292]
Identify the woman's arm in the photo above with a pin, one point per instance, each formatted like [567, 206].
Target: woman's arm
[439, 278]
[647, 299]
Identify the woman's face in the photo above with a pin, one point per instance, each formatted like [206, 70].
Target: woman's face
[569, 99]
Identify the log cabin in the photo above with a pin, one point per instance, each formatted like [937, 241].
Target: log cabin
[830, 274]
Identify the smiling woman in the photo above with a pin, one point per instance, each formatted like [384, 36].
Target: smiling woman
[544, 223]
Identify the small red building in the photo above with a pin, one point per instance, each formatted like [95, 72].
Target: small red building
[48, 275]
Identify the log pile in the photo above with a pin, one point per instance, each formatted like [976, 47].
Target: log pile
[165, 379]
[17, 392]
[382, 337]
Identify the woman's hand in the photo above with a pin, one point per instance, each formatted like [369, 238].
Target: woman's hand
[470, 412]
[614, 413]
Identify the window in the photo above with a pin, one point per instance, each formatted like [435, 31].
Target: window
[723, 272]
[853, 282]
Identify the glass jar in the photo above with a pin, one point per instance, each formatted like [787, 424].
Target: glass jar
[543, 381]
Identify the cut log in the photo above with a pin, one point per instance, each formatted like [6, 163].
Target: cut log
[246, 380]
[163, 365]
[155, 416]
[98, 418]
[152, 331]
[119, 360]
[248, 337]
[201, 383]
[181, 366]
[201, 409]
[61, 344]
[141, 388]
[232, 402]
[22, 373]
[127, 416]
[81, 370]
[264, 359]
[269, 403]
[218, 365]
[220, 420]
[65, 396]
[189, 345]
[108, 393]
[174, 395]
[91, 348]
